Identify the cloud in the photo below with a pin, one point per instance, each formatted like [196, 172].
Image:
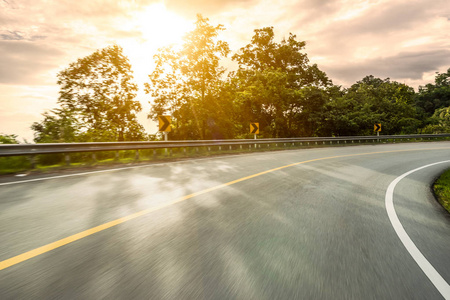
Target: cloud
[382, 19]
[18, 36]
[405, 65]
[23, 62]
[205, 7]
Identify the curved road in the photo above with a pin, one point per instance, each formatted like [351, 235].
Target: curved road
[298, 224]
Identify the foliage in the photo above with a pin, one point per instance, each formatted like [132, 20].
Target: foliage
[58, 126]
[370, 101]
[8, 139]
[98, 91]
[188, 84]
[12, 164]
[277, 87]
[434, 96]
[439, 122]
[442, 189]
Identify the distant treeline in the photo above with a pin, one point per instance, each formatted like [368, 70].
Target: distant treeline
[274, 85]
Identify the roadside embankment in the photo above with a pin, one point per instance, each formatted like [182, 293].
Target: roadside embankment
[441, 189]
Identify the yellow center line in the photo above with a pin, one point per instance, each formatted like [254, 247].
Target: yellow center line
[49, 247]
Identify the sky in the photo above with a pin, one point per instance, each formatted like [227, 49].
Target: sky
[405, 40]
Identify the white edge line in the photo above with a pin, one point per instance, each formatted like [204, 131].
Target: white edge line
[442, 286]
[142, 166]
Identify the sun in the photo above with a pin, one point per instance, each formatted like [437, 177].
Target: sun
[150, 28]
[160, 26]
[157, 27]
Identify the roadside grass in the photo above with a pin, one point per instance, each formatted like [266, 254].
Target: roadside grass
[441, 189]
[58, 162]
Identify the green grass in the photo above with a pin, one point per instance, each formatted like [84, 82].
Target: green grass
[14, 164]
[441, 188]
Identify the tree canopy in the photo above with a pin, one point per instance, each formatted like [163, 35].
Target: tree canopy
[99, 91]
[8, 139]
[434, 96]
[273, 84]
[187, 83]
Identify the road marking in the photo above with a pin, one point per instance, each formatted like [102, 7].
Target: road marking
[439, 282]
[49, 247]
[185, 161]
[113, 170]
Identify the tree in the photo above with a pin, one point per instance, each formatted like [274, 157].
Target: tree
[8, 139]
[440, 121]
[433, 96]
[58, 126]
[287, 56]
[369, 101]
[188, 84]
[98, 90]
[278, 87]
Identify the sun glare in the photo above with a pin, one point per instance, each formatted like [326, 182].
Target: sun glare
[157, 27]
[161, 27]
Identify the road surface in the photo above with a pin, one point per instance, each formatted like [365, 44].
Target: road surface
[297, 224]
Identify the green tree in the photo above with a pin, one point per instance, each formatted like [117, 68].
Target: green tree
[440, 121]
[58, 126]
[278, 87]
[369, 101]
[99, 90]
[287, 56]
[433, 96]
[8, 139]
[188, 84]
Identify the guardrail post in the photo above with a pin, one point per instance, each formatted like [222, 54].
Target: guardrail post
[184, 150]
[67, 159]
[94, 158]
[240, 146]
[136, 155]
[220, 148]
[209, 149]
[32, 159]
[170, 152]
[196, 149]
[231, 148]
[116, 157]
[154, 153]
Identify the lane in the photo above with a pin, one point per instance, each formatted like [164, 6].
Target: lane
[425, 223]
[316, 230]
[435, 277]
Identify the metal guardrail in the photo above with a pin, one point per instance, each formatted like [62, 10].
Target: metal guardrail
[67, 148]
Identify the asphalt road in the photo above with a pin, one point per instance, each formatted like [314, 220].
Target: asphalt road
[314, 227]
